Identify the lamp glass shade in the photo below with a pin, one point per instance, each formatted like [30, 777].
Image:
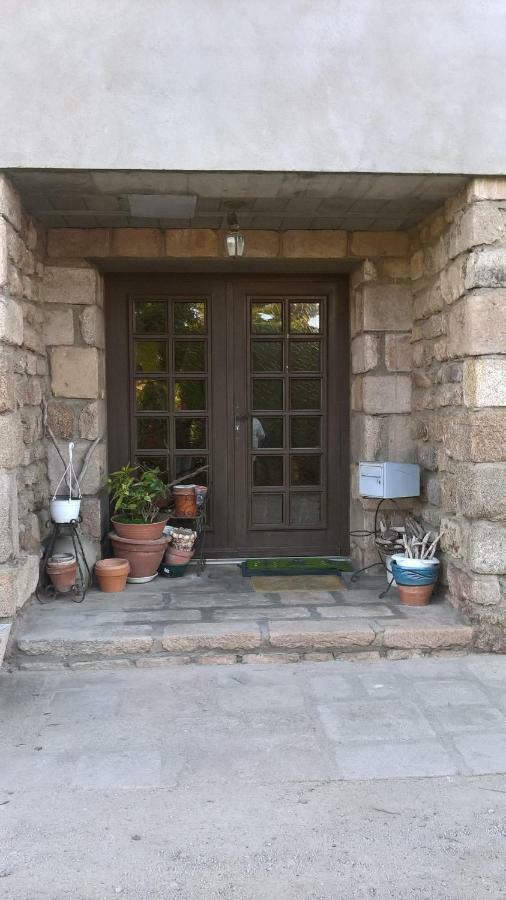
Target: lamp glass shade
[235, 243]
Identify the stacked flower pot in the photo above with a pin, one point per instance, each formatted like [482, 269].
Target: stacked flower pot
[142, 545]
[415, 579]
[180, 551]
[138, 541]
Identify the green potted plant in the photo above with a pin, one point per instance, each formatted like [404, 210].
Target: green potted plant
[138, 524]
[134, 493]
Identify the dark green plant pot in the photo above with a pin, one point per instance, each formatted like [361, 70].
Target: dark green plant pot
[177, 571]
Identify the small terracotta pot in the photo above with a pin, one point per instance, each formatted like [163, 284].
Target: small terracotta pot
[418, 595]
[185, 501]
[148, 531]
[62, 570]
[112, 574]
[144, 556]
[175, 557]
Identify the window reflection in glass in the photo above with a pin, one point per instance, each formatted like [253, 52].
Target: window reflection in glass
[266, 431]
[190, 434]
[267, 393]
[190, 356]
[305, 431]
[304, 356]
[151, 434]
[305, 393]
[189, 317]
[304, 317]
[266, 356]
[190, 394]
[304, 470]
[150, 356]
[150, 317]
[151, 395]
[266, 318]
[267, 471]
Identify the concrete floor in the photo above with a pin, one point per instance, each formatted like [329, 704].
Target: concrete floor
[329, 780]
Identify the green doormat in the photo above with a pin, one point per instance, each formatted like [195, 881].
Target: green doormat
[295, 566]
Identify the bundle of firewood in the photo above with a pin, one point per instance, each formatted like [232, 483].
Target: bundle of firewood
[419, 543]
[412, 539]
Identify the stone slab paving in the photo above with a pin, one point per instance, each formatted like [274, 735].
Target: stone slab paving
[287, 782]
[221, 618]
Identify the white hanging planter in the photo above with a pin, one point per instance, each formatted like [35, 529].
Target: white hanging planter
[64, 511]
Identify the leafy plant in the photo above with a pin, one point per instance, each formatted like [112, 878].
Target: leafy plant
[134, 491]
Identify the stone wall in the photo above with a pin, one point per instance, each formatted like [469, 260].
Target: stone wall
[381, 321]
[23, 381]
[458, 269]
[75, 340]
[428, 338]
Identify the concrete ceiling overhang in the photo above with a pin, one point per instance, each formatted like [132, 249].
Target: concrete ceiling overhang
[265, 200]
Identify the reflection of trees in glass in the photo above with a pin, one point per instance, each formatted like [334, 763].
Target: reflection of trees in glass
[151, 356]
[189, 464]
[190, 394]
[189, 318]
[151, 317]
[189, 356]
[304, 317]
[267, 394]
[266, 356]
[304, 356]
[266, 318]
[152, 434]
[190, 434]
[151, 395]
[305, 394]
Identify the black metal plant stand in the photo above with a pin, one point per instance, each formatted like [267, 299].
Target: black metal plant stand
[200, 521]
[45, 590]
[381, 562]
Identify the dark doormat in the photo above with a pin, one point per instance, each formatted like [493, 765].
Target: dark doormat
[317, 565]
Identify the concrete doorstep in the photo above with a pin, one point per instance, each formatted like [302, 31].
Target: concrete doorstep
[234, 626]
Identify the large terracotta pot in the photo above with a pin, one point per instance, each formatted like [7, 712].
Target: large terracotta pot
[150, 531]
[112, 574]
[144, 556]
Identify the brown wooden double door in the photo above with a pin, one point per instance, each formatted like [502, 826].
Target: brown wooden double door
[248, 375]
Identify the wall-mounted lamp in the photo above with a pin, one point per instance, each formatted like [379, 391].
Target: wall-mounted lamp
[234, 240]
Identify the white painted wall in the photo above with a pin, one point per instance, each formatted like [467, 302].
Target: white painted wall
[314, 85]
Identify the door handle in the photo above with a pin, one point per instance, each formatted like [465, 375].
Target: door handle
[237, 421]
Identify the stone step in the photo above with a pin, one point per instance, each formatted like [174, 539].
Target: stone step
[238, 641]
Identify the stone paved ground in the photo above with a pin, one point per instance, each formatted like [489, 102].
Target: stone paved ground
[221, 618]
[323, 781]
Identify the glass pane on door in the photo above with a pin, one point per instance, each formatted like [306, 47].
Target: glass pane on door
[285, 412]
[166, 394]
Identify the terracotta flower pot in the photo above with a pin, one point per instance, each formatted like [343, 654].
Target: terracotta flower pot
[418, 595]
[144, 556]
[112, 574]
[175, 557]
[185, 501]
[142, 531]
[62, 570]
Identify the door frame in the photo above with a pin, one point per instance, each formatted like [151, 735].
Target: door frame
[223, 365]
